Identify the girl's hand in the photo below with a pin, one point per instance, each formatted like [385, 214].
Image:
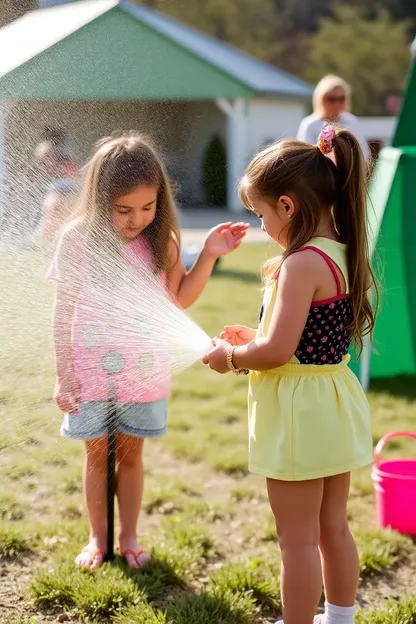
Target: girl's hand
[224, 238]
[238, 334]
[66, 394]
[216, 358]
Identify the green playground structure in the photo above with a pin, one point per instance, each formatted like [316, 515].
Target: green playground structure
[392, 227]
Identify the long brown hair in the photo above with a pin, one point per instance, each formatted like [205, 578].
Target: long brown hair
[119, 165]
[320, 186]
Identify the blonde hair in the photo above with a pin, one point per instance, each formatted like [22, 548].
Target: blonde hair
[119, 165]
[326, 85]
[318, 186]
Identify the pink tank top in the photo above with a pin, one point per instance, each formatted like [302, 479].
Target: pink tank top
[98, 337]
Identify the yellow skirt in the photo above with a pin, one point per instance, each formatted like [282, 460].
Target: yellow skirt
[308, 421]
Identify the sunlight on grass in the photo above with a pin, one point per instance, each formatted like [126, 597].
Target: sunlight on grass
[96, 594]
[201, 511]
[264, 592]
[402, 611]
[221, 607]
[380, 550]
[12, 543]
[141, 614]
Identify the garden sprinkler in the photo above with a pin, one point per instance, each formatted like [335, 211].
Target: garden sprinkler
[113, 364]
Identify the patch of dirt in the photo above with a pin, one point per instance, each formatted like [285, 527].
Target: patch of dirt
[394, 583]
[14, 575]
[15, 578]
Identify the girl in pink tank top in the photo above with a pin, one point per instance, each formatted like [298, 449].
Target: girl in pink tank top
[127, 222]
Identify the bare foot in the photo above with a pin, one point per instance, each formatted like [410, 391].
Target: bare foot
[91, 557]
[133, 553]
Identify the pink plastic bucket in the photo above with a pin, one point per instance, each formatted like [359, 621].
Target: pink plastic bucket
[395, 488]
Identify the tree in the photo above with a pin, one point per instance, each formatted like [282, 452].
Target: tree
[278, 31]
[372, 55]
[248, 25]
[304, 15]
[214, 177]
[13, 9]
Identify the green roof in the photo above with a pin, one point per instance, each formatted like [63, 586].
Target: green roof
[110, 49]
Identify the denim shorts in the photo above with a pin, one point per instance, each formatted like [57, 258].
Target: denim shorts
[139, 420]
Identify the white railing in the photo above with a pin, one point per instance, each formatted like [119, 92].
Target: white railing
[378, 128]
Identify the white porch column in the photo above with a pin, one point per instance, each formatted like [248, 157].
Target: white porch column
[4, 108]
[3, 113]
[236, 112]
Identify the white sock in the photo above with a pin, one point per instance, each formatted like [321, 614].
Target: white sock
[333, 615]
[337, 615]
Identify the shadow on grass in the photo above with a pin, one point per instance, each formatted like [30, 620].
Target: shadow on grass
[242, 276]
[176, 602]
[154, 579]
[167, 591]
[108, 592]
[403, 386]
[156, 594]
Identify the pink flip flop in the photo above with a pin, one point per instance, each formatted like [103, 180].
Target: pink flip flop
[135, 555]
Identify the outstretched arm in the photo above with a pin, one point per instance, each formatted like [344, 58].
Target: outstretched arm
[187, 287]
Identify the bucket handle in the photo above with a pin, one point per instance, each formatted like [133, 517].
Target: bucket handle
[387, 438]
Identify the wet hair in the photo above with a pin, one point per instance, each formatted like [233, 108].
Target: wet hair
[318, 186]
[118, 166]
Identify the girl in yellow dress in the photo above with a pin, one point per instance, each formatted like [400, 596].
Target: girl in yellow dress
[309, 419]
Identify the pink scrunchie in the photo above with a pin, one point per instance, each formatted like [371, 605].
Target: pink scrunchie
[326, 140]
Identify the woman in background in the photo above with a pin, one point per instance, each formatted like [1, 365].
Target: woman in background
[331, 103]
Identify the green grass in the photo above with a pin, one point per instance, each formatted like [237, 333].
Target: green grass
[12, 543]
[240, 493]
[261, 584]
[10, 508]
[222, 607]
[143, 613]
[206, 521]
[380, 550]
[402, 611]
[97, 595]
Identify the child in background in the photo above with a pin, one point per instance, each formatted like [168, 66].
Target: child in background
[126, 212]
[309, 419]
[58, 173]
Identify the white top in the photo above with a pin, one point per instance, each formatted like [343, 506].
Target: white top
[311, 126]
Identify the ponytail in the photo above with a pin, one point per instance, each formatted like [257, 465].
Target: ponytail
[350, 215]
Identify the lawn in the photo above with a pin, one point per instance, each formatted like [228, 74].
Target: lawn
[205, 519]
